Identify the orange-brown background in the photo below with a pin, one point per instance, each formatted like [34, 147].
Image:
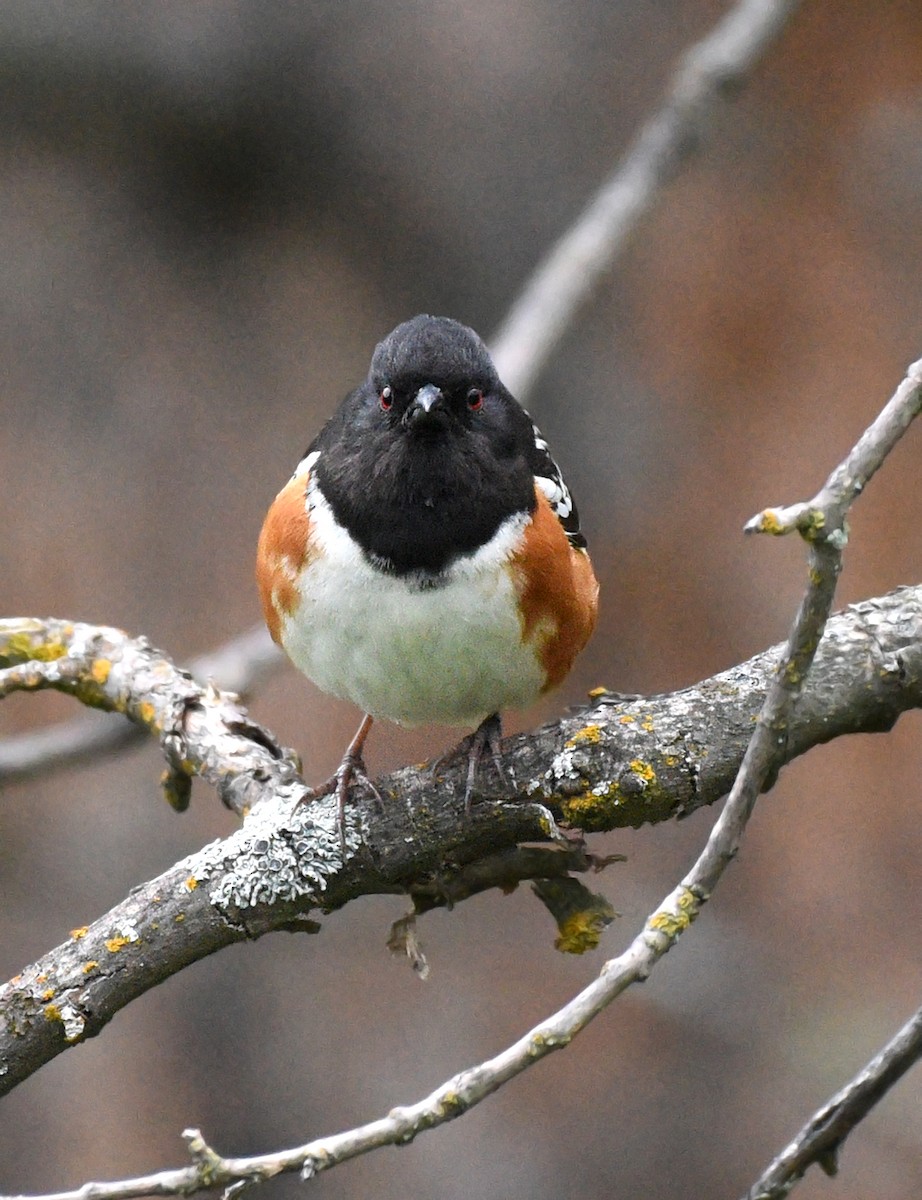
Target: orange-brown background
[209, 214]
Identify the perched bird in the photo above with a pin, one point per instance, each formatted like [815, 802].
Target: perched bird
[425, 560]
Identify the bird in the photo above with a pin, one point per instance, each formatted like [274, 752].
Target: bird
[425, 560]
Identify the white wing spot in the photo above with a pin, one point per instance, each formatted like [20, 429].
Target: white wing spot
[305, 464]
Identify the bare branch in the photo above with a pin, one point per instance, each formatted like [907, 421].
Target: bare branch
[564, 280]
[821, 1138]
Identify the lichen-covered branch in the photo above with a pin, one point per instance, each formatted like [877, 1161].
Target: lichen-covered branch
[203, 731]
[238, 665]
[619, 762]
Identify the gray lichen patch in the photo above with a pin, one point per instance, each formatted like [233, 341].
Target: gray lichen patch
[275, 858]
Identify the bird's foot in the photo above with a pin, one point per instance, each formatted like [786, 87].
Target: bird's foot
[486, 738]
[350, 771]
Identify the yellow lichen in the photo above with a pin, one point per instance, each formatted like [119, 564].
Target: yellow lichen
[80, 932]
[817, 518]
[589, 735]
[597, 692]
[24, 647]
[770, 522]
[113, 945]
[580, 932]
[180, 917]
[90, 966]
[674, 923]
[452, 1104]
[591, 809]
[546, 827]
[89, 692]
[647, 723]
[100, 670]
[52, 1013]
[811, 524]
[147, 712]
[47, 994]
[627, 719]
[643, 770]
[191, 883]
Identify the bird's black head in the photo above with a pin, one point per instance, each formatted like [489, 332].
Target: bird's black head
[427, 458]
[432, 350]
[435, 380]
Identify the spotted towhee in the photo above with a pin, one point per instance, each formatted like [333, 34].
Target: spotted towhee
[425, 559]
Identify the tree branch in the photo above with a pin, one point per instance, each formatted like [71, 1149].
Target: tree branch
[821, 1138]
[565, 278]
[622, 762]
[239, 665]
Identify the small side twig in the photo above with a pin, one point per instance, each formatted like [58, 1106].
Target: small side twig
[820, 1139]
[823, 517]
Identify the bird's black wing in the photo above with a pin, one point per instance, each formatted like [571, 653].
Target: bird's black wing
[551, 482]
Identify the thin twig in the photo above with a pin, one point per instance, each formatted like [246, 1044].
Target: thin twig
[822, 1136]
[563, 281]
[822, 522]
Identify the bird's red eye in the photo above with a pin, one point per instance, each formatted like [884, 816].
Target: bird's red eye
[386, 398]
[474, 400]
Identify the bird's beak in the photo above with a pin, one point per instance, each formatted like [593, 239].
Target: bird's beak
[424, 405]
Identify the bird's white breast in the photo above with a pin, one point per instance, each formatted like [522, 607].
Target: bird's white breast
[450, 654]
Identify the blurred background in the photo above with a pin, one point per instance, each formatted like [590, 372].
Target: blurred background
[209, 214]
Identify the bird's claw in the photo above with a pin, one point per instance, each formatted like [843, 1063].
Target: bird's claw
[487, 737]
